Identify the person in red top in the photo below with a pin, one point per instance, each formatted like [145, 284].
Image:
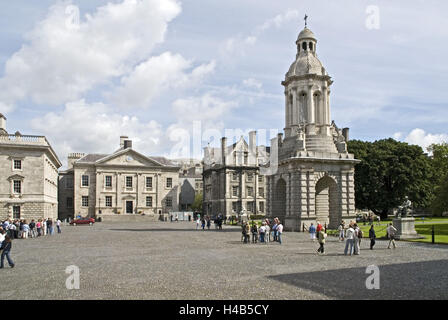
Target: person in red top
[319, 227]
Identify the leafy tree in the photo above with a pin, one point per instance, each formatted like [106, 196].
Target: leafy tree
[197, 203]
[388, 172]
[440, 166]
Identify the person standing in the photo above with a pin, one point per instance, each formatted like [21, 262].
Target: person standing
[279, 232]
[312, 231]
[44, 227]
[391, 235]
[12, 230]
[262, 232]
[356, 239]
[349, 240]
[58, 225]
[6, 251]
[267, 234]
[341, 230]
[39, 227]
[372, 237]
[254, 231]
[274, 231]
[208, 222]
[25, 230]
[198, 222]
[321, 237]
[32, 229]
[50, 227]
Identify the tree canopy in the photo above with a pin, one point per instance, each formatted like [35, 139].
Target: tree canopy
[388, 172]
[440, 165]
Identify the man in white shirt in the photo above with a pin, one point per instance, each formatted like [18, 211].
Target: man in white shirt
[391, 234]
[350, 238]
[279, 232]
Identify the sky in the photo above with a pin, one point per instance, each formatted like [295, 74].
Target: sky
[175, 76]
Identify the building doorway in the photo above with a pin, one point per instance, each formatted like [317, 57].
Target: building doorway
[129, 207]
[280, 199]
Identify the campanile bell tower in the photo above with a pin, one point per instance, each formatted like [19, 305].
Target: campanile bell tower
[313, 180]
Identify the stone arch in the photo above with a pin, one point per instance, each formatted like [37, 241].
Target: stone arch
[303, 101]
[327, 201]
[279, 203]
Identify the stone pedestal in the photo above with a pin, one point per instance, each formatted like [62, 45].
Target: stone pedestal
[406, 228]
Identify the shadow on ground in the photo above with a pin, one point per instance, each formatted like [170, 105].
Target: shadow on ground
[418, 280]
[175, 230]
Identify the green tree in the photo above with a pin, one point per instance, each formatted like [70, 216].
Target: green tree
[388, 172]
[440, 165]
[197, 203]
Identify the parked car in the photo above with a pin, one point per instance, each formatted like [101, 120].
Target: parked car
[88, 221]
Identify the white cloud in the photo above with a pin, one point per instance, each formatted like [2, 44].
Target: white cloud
[156, 75]
[422, 138]
[252, 83]
[59, 63]
[279, 20]
[93, 128]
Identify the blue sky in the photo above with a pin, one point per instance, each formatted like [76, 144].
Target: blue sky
[150, 68]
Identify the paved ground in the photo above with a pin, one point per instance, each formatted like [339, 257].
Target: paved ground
[175, 261]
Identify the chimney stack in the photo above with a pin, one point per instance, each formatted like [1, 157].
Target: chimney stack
[122, 139]
[72, 157]
[345, 134]
[127, 144]
[223, 150]
[3, 124]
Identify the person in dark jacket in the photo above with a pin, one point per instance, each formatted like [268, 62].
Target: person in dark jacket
[6, 249]
[372, 237]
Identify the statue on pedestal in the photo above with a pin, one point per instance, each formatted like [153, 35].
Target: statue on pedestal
[404, 209]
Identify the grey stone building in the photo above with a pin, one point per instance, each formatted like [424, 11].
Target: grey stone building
[312, 174]
[233, 183]
[190, 184]
[120, 184]
[28, 176]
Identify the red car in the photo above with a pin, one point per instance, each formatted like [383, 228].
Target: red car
[89, 221]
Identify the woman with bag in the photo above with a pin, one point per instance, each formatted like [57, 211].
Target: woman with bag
[321, 236]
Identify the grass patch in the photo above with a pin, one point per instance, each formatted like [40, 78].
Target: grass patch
[440, 231]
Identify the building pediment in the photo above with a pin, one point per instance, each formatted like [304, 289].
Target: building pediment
[128, 157]
[16, 177]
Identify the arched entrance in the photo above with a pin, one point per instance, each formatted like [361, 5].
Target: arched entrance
[327, 202]
[279, 204]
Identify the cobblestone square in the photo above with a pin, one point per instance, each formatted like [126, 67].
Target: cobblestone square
[166, 260]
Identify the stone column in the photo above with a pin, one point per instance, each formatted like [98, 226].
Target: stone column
[344, 193]
[311, 193]
[288, 195]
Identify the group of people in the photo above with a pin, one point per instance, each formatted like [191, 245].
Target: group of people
[21, 229]
[201, 223]
[269, 231]
[318, 233]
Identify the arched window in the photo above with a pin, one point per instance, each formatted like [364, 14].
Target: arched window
[311, 46]
[304, 46]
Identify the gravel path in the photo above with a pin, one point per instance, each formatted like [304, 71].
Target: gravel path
[175, 261]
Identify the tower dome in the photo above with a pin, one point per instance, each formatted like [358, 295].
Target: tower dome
[306, 34]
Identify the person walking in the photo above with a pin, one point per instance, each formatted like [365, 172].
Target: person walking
[39, 227]
[208, 222]
[274, 231]
[6, 251]
[321, 238]
[391, 230]
[349, 240]
[50, 227]
[279, 232]
[203, 223]
[312, 231]
[372, 237]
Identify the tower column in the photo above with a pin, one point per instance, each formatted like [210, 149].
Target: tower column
[295, 111]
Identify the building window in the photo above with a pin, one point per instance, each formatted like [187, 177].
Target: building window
[169, 182]
[85, 181]
[261, 206]
[17, 186]
[246, 157]
[235, 191]
[16, 212]
[149, 182]
[250, 206]
[108, 181]
[85, 201]
[69, 183]
[108, 201]
[250, 191]
[149, 201]
[250, 177]
[261, 192]
[235, 176]
[128, 182]
[235, 206]
[17, 165]
[69, 202]
[169, 202]
[260, 178]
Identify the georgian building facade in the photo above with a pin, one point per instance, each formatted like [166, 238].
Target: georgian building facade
[125, 182]
[233, 182]
[28, 176]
